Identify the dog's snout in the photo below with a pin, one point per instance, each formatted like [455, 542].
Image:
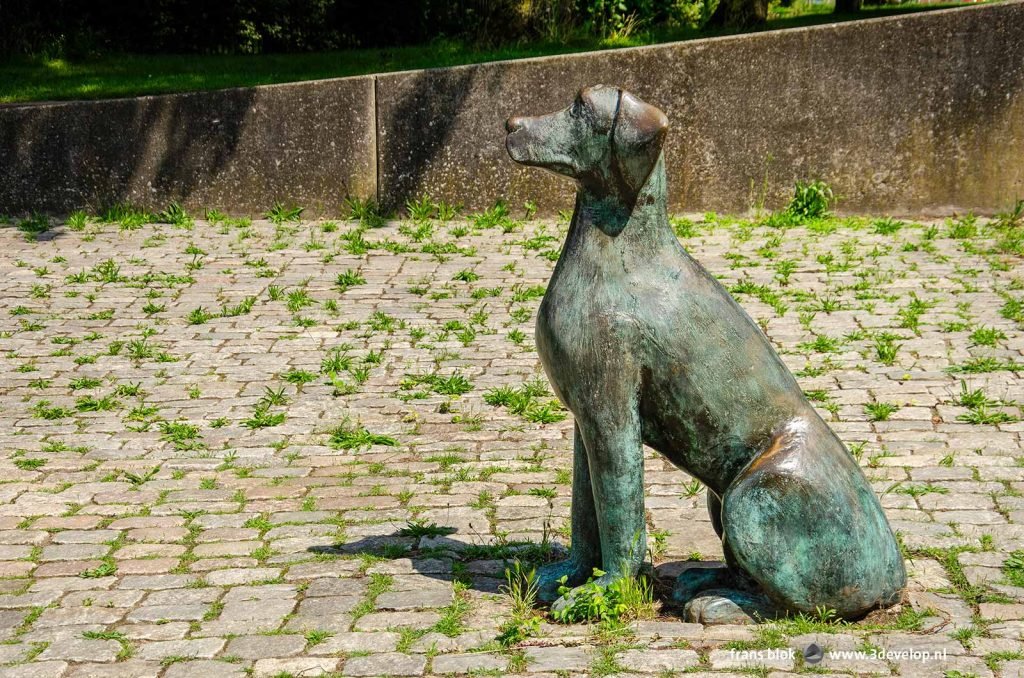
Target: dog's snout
[514, 123]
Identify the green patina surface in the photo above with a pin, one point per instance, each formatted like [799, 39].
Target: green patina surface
[645, 347]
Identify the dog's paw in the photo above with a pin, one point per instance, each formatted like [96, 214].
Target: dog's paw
[728, 606]
[701, 576]
[550, 578]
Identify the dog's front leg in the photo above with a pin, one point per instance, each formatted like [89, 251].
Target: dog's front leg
[615, 452]
[610, 429]
[585, 550]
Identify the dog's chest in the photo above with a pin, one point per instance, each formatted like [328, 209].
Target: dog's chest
[581, 319]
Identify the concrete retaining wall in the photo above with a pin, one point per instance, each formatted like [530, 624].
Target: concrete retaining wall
[238, 149]
[922, 112]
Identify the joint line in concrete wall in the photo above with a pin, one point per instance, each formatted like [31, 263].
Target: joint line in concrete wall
[376, 142]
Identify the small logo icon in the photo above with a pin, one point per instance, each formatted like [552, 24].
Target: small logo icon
[813, 654]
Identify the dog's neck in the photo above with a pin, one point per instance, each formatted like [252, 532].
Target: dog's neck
[636, 226]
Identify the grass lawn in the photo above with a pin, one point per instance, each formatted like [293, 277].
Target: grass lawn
[119, 75]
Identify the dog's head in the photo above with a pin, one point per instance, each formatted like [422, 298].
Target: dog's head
[607, 140]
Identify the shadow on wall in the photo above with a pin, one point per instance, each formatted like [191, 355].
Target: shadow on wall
[418, 130]
[94, 154]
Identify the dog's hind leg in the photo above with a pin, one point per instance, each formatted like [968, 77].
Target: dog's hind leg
[715, 511]
[698, 577]
[585, 549]
[804, 522]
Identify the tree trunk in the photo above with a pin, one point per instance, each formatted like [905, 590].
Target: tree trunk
[739, 14]
[844, 6]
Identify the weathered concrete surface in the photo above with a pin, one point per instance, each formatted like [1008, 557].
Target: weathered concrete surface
[238, 149]
[900, 114]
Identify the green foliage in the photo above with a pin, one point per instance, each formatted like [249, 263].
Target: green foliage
[880, 411]
[176, 215]
[262, 417]
[421, 528]
[349, 436]
[349, 279]
[986, 364]
[811, 200]
[981, 407]
[531, 401]
[1012, 309]
[1013, 568]
[366, 212]
[281, 213]
[886, 347]
[521, 586]
[623, 599]
[29, 464]
[298, 377]
[886, 226]
[421, 208]
[453, 385]
[104, 569]
[496, 216]
[77, 220]
[182, 435]
[126, 215]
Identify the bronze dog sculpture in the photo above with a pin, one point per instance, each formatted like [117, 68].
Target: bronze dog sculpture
[644, 346]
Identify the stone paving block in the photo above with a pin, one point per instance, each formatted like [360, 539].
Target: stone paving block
[1012, 669]
[335, 587]
[438, 642]
[301, 666]
[163, 631]
[545, 659]
[263, 647]
[81, 650]
[660, 661]
[190, 596]
[157, 582]
[413, 600]
[751, 659]
[132, 668]
[204, 668]
[327, 605]
[252, 610]
[387, 663]
[202, 648]
[468, 663]
[79, 615]
[382, 621]
[233, 577]
[161, 613]
[37, 669]
[10, 654]
[353, 642]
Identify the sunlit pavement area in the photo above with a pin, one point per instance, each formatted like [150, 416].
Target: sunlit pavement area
[237, 447]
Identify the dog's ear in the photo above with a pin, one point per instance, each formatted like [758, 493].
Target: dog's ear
[637, 137]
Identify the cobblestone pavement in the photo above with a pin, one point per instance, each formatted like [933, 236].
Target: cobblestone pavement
[241, 448]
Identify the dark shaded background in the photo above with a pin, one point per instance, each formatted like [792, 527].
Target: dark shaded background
[77, 28]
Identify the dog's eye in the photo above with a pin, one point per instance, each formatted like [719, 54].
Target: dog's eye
[575, 109]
